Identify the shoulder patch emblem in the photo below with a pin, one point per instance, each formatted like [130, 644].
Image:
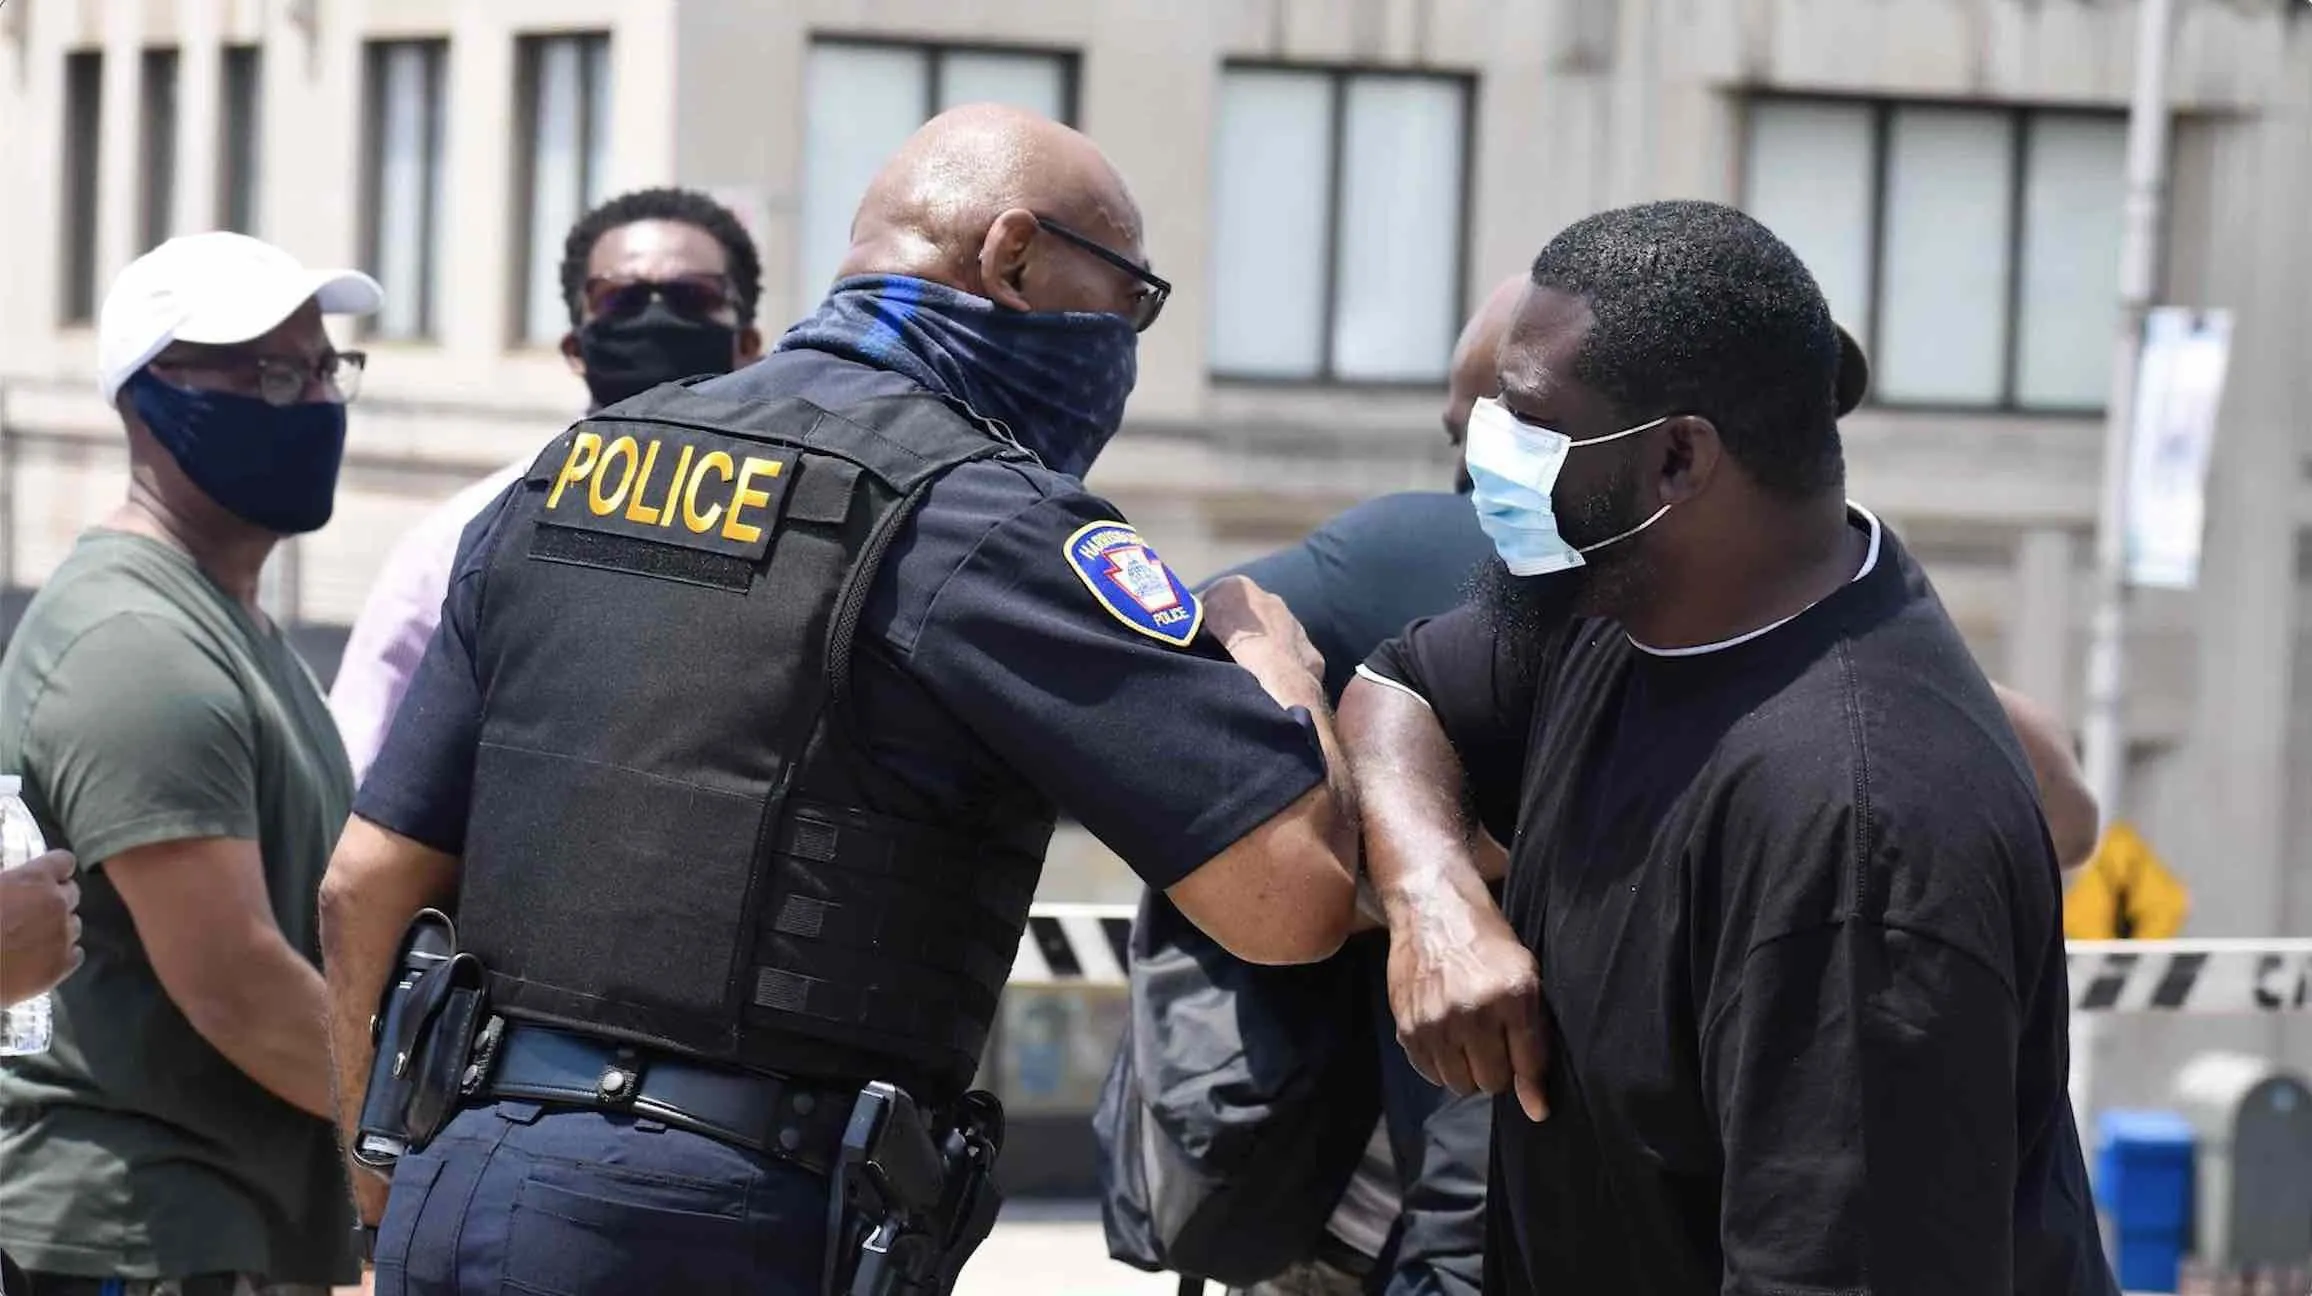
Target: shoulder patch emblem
[1133, 584]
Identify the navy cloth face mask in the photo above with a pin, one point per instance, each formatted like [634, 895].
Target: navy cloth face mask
[272, 466]
[1057, 380]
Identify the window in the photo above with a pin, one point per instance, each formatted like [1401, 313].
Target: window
[406, 89]
[239, 147]
[83, 114]
[1337, 231]
[864, 99]
[157, 132]
[1974, 251]
[566, 83]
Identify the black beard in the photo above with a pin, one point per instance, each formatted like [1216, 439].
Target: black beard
[1618, 576]
[1525, 612]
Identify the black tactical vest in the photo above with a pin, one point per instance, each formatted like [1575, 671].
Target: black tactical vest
[669, 842]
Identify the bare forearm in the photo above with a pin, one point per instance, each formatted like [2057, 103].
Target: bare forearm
[1418, 840]
[267, 1019]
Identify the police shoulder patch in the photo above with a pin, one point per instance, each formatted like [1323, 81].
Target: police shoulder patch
[1133, 584]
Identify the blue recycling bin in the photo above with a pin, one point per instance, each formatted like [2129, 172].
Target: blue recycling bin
[2144, 1167]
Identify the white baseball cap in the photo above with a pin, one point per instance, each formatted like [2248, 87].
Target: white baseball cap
[216, 289]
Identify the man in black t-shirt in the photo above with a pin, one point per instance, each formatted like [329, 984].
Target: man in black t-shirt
[1779, 863]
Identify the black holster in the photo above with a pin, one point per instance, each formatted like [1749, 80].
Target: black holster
[906, 1208]
[424, 1036]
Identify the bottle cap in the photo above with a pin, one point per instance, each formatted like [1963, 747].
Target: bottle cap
[10, 785]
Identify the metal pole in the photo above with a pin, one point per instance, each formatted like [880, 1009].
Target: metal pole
[2104, 731]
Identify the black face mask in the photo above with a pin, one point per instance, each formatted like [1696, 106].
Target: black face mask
[632, 354]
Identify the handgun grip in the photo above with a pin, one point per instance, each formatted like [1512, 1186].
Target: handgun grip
[902, 1154]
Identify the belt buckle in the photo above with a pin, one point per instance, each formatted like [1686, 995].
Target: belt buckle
[620, 1080]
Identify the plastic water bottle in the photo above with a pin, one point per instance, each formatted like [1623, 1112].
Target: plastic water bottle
[25, 1027]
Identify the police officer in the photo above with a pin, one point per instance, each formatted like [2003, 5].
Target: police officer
[747, 724]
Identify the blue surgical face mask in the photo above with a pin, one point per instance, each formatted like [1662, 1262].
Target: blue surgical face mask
[1056, 380]
[1513, 466]
[272, 466]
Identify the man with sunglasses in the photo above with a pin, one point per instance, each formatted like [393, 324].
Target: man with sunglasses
[751, 715]
[661, 284]
[176, 1136]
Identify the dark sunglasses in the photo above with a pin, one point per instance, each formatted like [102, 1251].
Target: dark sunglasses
[692, 296]
[1147, 301]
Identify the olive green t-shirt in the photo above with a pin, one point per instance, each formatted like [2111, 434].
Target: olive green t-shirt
[142, 704]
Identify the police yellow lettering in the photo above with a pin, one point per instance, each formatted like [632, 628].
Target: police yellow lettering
[747, 496]
[636, 510]
[674, 488]
[701, 523]
[585, 448]
[605, 505]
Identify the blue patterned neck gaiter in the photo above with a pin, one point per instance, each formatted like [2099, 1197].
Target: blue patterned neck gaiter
[1057, 380]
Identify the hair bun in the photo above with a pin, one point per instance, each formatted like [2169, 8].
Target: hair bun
[1853, 372]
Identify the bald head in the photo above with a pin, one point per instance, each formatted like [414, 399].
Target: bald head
[957, 204]
[1474, 375]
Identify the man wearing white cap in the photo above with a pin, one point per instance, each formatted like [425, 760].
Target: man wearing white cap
[175, 1137]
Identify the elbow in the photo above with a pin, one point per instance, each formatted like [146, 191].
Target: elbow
[220, 1000]
[1310, 930]
[339, 901]
[349, 890]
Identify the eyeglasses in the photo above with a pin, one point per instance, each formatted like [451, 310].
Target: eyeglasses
[280, 381]
[1147, 301]
[692, 296]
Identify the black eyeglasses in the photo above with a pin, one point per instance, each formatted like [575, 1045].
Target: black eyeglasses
[1147, 301]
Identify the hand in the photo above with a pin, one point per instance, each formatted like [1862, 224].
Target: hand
[1466, 994]
[1247, 618]
[39, 926]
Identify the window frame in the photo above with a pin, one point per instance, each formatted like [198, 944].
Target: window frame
[937, 52]
[374, 53]
[81, 195]
[160, 102]
[2023, 118]
[240, 156]
[529, 48]
[1337, 78]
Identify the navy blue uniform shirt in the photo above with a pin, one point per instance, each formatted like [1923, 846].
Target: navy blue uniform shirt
[986, 662]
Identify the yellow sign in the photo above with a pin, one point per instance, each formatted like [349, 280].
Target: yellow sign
[2125, 893]
[694, 489]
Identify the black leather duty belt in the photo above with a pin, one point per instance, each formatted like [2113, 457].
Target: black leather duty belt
[775, 1116]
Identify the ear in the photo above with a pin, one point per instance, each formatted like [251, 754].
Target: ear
[1692, 455]
[1003, 258]
[570, 354]
[750, 346]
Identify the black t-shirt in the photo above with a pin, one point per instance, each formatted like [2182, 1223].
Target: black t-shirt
[1797, 920]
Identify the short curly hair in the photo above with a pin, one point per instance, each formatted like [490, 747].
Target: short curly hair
[688, 206]
[1696, 308]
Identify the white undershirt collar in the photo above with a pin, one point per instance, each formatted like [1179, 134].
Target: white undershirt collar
[1869, 561]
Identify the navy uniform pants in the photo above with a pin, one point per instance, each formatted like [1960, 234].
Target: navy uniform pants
[513, 1197]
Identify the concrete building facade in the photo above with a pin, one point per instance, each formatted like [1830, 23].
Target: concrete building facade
[1330, 183]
